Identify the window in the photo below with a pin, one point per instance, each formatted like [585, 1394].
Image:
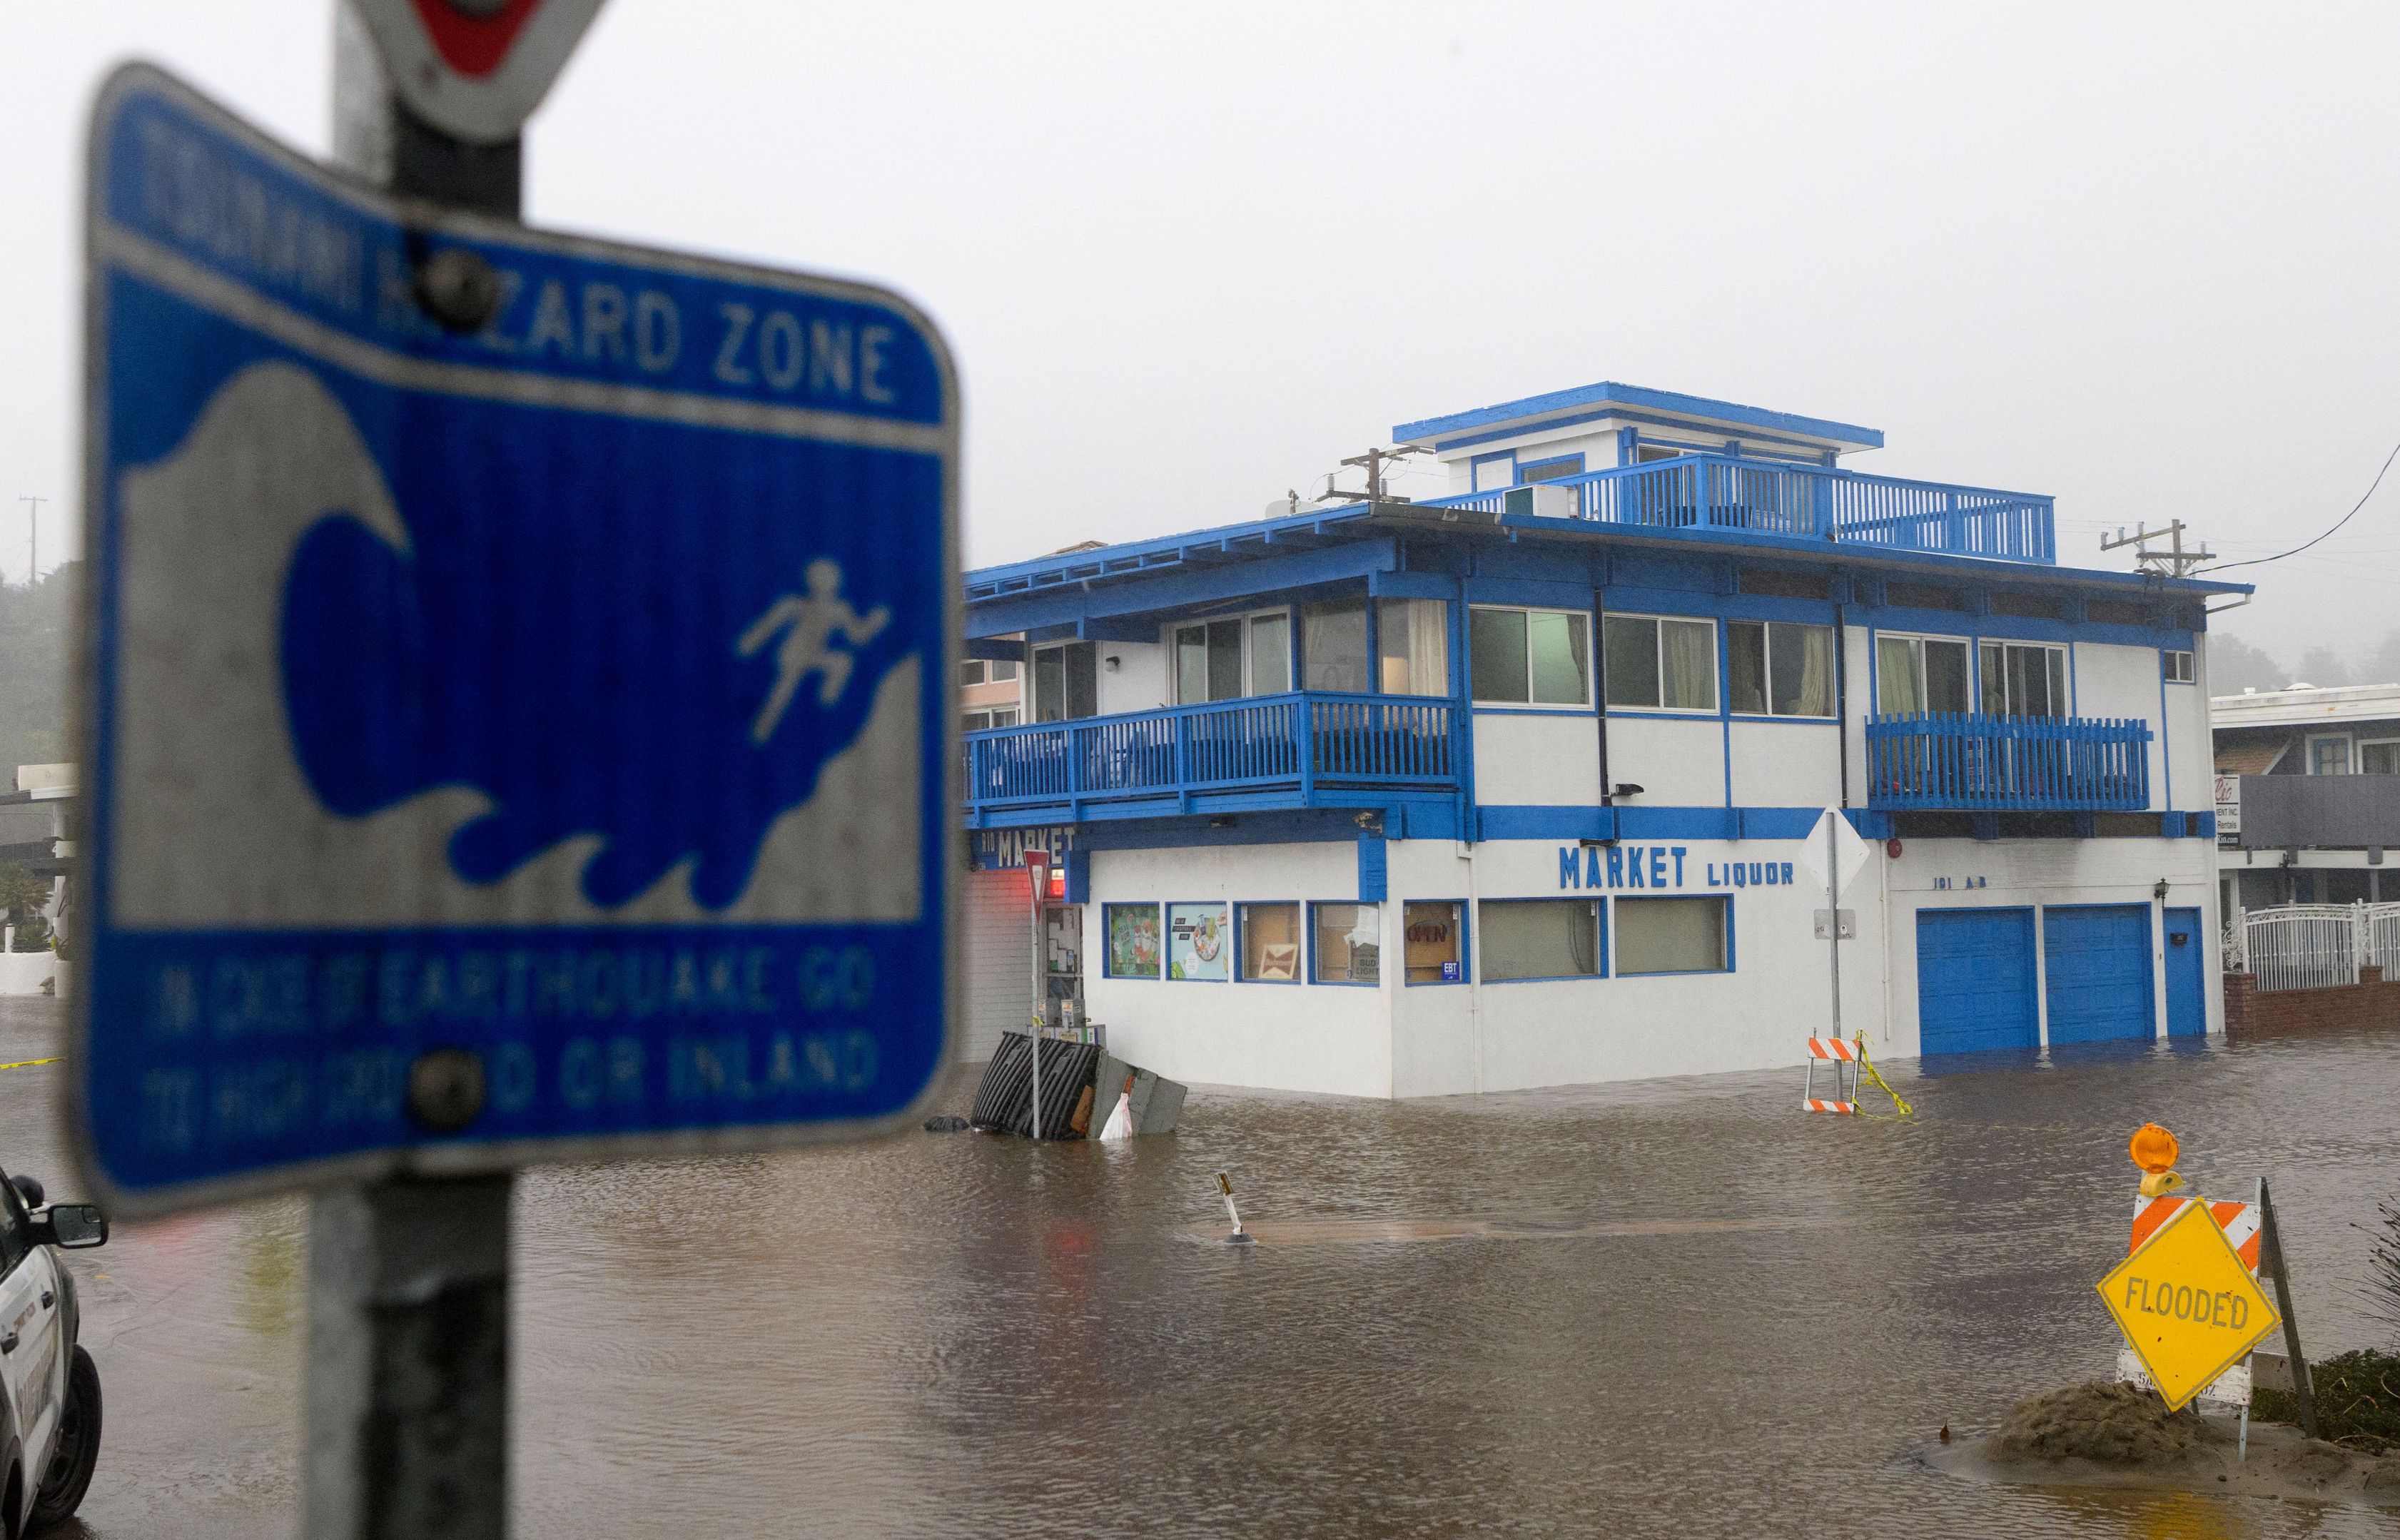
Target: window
[1645, 453]
[2380, 758]
[1779, 668]
[1923, 596]
[1920, 673]
[971, 672]
[1222, 659]
[14, 1242]
[1540, 656]
[1538, 938]
[2118, 612]
[1669, 935]
[1199, 943]
[1066, 683]
[1668, 665]
[2033, 606]
[2177, 666]
[2024, 681]
[1133, 940]
[1347, 944]
[2328, 757]
[1412, 642]
[1433, 943]
[1550, 469]
[1494, 471]
[1778, 584]
[1000, 671]
[979, 721]
[1270, 938]
[1207, 662]
[1334, 646]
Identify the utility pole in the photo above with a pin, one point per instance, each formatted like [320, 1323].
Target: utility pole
[2174, 561]
[32, 539]
[1373, 462]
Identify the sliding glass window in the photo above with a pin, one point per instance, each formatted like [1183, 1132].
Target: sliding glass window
[1779, 668]
[1660, 662]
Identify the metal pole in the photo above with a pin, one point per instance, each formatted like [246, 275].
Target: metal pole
[2271, 1253]
[1834, 913]
[1037, 878]
[408, 1278]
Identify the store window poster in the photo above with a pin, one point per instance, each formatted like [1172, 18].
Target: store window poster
[1133, 942]
[1199, 942]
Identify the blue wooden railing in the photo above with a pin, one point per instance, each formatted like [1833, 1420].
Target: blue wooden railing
[2008, 764]
[1295, 744]
[1806, 501]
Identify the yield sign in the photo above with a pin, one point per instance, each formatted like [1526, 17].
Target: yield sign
[2189, 1307]
[475, 68]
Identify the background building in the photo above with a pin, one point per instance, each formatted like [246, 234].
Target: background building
[2308, 794]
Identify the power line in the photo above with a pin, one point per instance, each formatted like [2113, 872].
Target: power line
[2261, 560]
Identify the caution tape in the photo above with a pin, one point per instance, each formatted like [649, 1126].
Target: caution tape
[28, 1063]
[1866, 1068]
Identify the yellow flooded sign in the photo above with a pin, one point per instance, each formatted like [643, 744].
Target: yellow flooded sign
[2188, 1308]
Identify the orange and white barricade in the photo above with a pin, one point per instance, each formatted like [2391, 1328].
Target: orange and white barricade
[1843, 1056]
[2241, 1225]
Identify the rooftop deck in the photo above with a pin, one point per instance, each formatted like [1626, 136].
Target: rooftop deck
[1756, 497]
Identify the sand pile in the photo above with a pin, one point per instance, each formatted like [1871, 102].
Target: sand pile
[2109, 1424]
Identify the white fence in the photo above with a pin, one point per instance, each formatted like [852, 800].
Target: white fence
[2320, 945]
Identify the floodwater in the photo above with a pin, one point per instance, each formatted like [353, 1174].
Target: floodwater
[1678, 1307]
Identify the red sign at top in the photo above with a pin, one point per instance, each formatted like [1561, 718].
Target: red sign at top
[473, 45]
[475, 68]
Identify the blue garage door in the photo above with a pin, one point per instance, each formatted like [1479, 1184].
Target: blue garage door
[2097, 959]
[1975, 980]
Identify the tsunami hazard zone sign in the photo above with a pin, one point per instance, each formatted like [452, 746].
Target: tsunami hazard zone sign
[2188, 1306]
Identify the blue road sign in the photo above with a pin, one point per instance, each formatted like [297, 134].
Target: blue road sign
[556, 709]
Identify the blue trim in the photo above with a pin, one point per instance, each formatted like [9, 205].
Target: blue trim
[1608, 392]
[1309, 917]
[1374, 871]
[1482, 710]
[1079, 874]
[1645, 714]
[1575, 460]
[1623, 822]
[1157, 912]
[1466, 955]
[1241, 947]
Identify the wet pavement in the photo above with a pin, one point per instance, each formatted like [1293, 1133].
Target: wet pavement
[1675, 1306]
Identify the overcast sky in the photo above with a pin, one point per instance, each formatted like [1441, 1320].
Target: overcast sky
[2138, 258]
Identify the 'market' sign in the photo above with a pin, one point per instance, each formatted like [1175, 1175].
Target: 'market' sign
[503, 742]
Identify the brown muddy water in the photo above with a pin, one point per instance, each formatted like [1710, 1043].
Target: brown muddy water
[1677, 1307]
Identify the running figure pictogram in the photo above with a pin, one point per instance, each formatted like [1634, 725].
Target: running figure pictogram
[809, 622]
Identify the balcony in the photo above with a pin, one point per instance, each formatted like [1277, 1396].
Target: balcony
[1269, 751]
[1718, 492]
[1943, 761]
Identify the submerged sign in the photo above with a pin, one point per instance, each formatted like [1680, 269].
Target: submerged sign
[506, 743]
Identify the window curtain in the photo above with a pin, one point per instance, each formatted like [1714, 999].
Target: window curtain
[1687, 659]
[1815, 697]
[1897, 691]
[1413, 635]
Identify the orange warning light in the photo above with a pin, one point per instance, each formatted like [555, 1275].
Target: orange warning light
[2153, 1148]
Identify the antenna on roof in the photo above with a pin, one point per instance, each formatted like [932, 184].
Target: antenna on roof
[2174, 561]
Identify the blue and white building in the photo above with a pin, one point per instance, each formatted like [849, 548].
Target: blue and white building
[1522, 785]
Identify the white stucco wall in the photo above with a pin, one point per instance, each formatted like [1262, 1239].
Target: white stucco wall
[1677, 764]
[1137, 683]
[1786, 765]
[2124, 681]
[1536, 759]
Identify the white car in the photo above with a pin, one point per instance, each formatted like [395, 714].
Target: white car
[49, 1389]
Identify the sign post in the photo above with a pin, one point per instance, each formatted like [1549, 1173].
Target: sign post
[490, 634]
[2187, 1305]
[1037, 872]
